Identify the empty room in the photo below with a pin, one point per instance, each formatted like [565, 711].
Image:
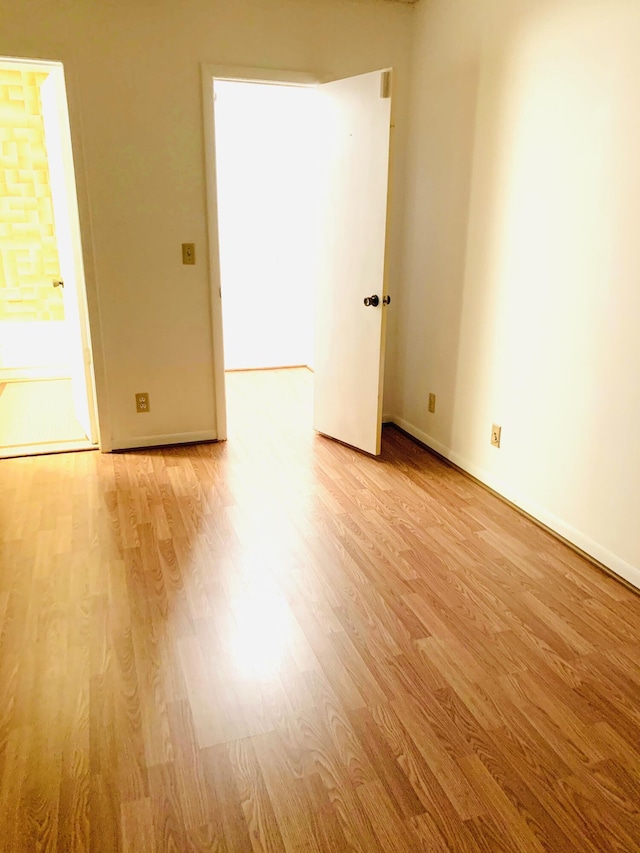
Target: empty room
[386, 596]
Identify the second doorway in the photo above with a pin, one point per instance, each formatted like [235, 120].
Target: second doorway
[266, 165]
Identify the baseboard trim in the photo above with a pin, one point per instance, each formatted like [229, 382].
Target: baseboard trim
[272, 367]
[139, 441]
[45, 448]
[31, 374]
[573, 537]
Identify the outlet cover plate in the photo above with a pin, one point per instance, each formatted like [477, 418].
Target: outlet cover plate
[142, 403]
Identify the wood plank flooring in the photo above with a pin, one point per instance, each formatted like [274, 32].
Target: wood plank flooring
[279, 644]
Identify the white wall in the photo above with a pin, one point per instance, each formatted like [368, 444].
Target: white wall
[522, 258]
[133, 73]
[266, 167]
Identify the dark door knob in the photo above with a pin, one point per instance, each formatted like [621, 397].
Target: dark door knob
[372, 300]
[386, 300]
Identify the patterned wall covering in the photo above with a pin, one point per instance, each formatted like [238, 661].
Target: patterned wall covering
[28, 253]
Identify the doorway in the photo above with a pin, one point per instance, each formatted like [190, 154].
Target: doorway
[267, 196]
[46, 383]
[267, 213]
[297, 182]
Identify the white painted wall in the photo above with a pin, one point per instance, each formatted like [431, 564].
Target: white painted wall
[133, 75]
[520, 302]
[266, 167]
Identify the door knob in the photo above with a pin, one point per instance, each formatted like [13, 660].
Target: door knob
[386, 300]
[57, 282]
[372, 300]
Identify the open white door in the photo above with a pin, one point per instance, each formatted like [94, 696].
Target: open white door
[65, 214]
[349, 340]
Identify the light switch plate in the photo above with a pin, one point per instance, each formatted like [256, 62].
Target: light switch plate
[189, 253]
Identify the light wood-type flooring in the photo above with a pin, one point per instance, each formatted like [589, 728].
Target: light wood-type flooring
[279, 644]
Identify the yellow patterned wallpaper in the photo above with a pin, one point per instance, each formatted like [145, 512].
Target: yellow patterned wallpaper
[28, 253]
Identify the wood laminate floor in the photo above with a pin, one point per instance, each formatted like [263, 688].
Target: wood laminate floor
[276, 643]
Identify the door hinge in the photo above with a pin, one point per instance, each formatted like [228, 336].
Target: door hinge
[385, 84]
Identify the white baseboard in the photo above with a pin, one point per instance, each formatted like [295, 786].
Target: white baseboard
[135, 442]
[44, 448]
[562, 528]
[424, 437]
[30, 374]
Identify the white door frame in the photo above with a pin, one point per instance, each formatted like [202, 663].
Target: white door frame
[81, 238]
[211, 73]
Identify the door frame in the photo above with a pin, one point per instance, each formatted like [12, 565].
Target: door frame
[68, 99]
[239, 74]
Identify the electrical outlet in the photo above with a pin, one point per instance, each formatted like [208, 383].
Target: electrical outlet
[142, 402]
[496, 433]
[189, 253]
[432, 403]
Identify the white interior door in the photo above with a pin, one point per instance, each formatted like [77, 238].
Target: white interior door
[65, 213]
[349, 339]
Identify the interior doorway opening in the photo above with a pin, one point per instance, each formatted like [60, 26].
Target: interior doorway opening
[350, 148]
[46, 382]
[266, 146]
